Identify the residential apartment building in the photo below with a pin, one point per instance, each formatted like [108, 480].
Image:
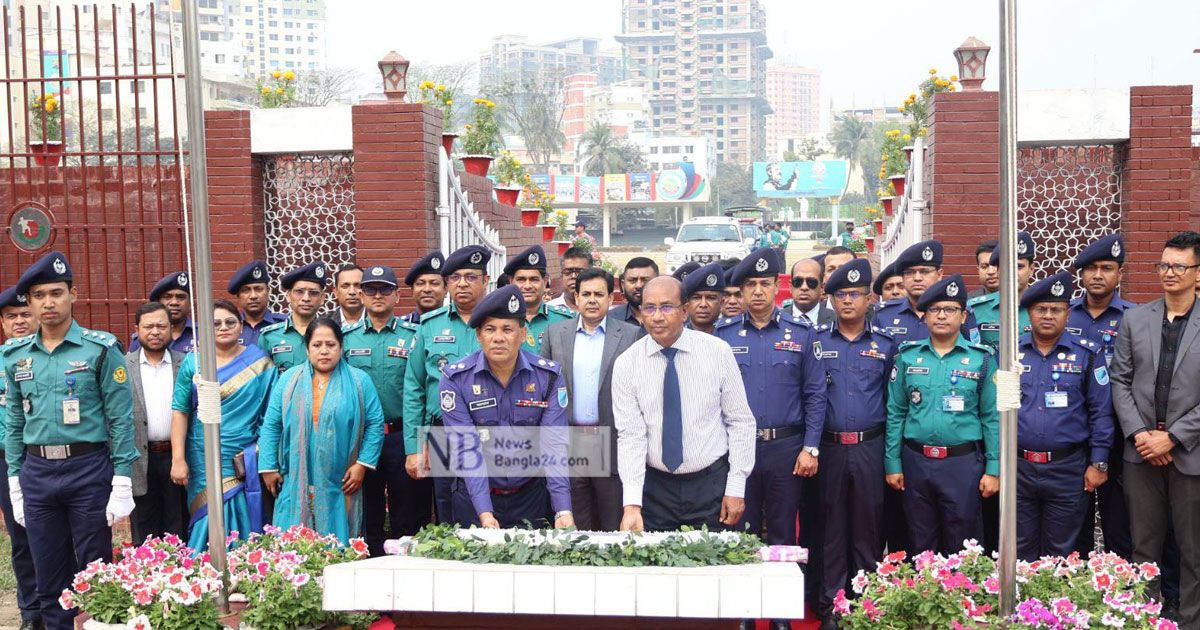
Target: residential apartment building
[512, 57]
[794, 93]
[281, 34]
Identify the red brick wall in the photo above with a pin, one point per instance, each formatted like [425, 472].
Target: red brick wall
[508, 220]
[1196, 188]
[1157, 185]
[235, 201]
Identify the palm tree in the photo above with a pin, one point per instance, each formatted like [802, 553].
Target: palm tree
[601, 150]
[850, 134]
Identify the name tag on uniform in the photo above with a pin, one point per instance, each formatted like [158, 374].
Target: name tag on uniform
[443, 339]
[397, 352]
[486, 403]
[1056, 400]
[916, 370]
[359, 352]
[989, 327]
[1075, 331]
[952, 403]
[829, 354]
[280, 349]
[22, 376]
[740, 349]
[895, 330]
[71, 410]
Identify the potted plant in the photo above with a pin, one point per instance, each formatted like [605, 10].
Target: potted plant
[442, 97]
[277, 91]
[482, 138]
[535, 204]
[887, 204]
[45, 133]
[510, 177]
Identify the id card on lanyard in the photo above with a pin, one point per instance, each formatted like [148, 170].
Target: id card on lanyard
[952, 402]
[70, 404]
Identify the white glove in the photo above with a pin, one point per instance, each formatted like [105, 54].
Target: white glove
[18, 500]
[120, 502]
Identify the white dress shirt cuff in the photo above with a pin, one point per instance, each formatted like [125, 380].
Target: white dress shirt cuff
[632, 494]
[735, 485]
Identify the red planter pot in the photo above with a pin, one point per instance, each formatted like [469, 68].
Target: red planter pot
[529, 217]
[47, 153]
[508, 195]
[477, 164]
[448, 142]
[887, 205]
[908, 153]
[878, 226]
[563, 246]
[548, 232]
[898, 184]
[870, 241]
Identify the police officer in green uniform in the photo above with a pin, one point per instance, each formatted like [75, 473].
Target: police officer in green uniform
[305, 289]
[987, 307]
[528, 273]
[379, 344]
[444, 337]
[69, 445]
[943, 431]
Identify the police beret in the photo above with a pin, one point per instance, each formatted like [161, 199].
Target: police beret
[532, 258]
[729, 276]
[505, 303]
[856, 273]
[684, 269]
[10, 297]
[710, 277]
[1026, 249]
[170, 282]
[379, 274]
[820, 258]
[312, 272]
[255, 272]
[1055, 288]
[1111, 247]
[951, 289]
[52, 267]
[884, 274]
[469, 257]
[431, 263]
[923, 253]
[761, 263]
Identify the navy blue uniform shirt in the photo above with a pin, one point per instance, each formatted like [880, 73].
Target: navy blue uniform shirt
[1086, 413]
[856, 377]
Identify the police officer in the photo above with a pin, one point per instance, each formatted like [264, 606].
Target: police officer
[17, 320]
[888, 285]
[1065, 425]
[174, 290]
[379, 345]
[943, 433]
[731, 302]
[250, 285]
[506, 391]
[856, 358]
[684, 269]
[284, 341]
[444, 337]
[69, 445]
[920, 266]
[987, 307]
[428, 285]
[703, 291]
[528, 273]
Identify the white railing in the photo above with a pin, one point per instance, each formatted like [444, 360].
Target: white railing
[906, 227]
[458, 223]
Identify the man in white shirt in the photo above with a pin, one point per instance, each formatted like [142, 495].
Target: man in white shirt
[347, 291]
[685, 433]
[160, 507]
[573, 261]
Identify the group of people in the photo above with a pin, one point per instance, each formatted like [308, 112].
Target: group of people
[859, 416]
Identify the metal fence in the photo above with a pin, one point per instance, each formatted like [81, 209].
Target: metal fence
[458, 223]
[907, 227]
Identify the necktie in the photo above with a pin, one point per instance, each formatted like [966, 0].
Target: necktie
[804, 318]
[672, 431]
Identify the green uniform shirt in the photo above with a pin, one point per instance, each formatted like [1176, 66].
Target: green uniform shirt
[284, 344]
[383, 355]
[3, 402]
[536, 328]
[89, 366]
[987, 315]
[443, 337]
[920, 383]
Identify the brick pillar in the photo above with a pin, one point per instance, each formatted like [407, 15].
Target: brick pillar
[962, 182]
[1156, 187]
[396, 148]
[234, 195]
[1196, 188]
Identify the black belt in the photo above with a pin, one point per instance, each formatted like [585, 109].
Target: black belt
[511, 491]
[393, 427]
[852, 437]
[766, 435]
[163, 446]
[1045, 457]
[64, 451]
[942, 452]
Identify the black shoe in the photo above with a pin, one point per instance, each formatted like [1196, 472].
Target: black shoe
[746, 624]
[32, 624]
[781, 624]
[1170, 609]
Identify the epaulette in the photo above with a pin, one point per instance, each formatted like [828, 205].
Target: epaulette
[786, 315]
[977, 299]
[982, 346]
[1090, 345]
[823, 328]
[362, 322]
[407, 325]
[434, 313]
[896, 302]
[727, 321]
[787, 303]
[911, 343]
[882, 332]
[560, 310]
[453, 368]
[272, 327]
[99, 337]
[16, 342]
[546, 364]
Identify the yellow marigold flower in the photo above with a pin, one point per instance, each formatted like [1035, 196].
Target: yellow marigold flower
[906, 137]
[49, 107]
[954, 77]
[449, 101]
[279, 91]
[266, 90]
[289, 76]
[884, 157]
[468, 126]
[441, 87]
[933, 71]
[276, 74]
[951, 88]
[901, 108]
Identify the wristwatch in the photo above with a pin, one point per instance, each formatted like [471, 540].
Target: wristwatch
[1101, 466]
[812, 450]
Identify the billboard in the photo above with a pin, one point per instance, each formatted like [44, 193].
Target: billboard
[824, 178]
[680, 184]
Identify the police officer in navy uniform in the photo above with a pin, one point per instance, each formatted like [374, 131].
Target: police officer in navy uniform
[731, 304]
[1065, 425]
[528, 273]
[703, 292]
[684, 269]
[505, 393]
[943, 434]
[428, 285]
[174, 290]
[986, 307]
[69, 445]
[251, 286]
[921, 266]
[857, 359]
[284, 341]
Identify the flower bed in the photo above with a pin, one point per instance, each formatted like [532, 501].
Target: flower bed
[962, 591]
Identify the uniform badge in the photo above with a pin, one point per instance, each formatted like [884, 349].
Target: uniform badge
[531, 387]
[441, 362]
[486, 403]
[514, 305]
[183, 281]
[711, 280]
[24, 365]
[257, 273]
[914, 396]
[280, 349]
[530, 340]
[1022, 247]
[435, 263]
[1101, 374]
[816, 346]
[742, 333]
[562, 396]
[476, 258]
[952, 289]
[448, 401]
[895, 372]
[1116, 248]
[1057, 289]
[119, 376]
[966, 361]
[927, 254]
[377, 271]
[895, 321]
[476, 389]
[60, 267]
[920, 359]
[853, 275]
[319, 272]
[27, 406]
[533, 258]
[761, 265]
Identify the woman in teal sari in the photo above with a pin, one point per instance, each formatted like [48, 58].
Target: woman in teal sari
[246, 375]
[323, 431]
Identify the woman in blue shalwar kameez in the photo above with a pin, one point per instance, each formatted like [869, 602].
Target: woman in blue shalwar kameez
[323, 431]
[246, 375]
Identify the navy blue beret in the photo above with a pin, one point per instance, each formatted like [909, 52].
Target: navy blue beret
[255, 272]
[951, 289]
[710, 277]
[469, 257]
[312, 272]
[504, 303]
[10, 297]
[532, 258]
[170, 282]
[431, 263]
[684, 269]
[923, 253]
[53, 267]
[1111, 247]
[1026, 249]
[856, 273]
[761, 263]
[1055, 288]
[884, 274]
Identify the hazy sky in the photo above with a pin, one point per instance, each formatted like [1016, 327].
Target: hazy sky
[870, 52]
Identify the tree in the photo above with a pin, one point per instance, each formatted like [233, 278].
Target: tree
[632, 158]
[810, 149]
[732, 186]
[601, 150]
[318, 88]
[533, 109]
[848, 137]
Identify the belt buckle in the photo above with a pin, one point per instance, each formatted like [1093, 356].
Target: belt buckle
[935, 452]
[589, 430]
[766, 435]
[56, 452]
[848, 438]
[1037, 457]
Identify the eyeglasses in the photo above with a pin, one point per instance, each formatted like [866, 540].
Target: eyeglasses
[464, 277]
[798, 282]
[312, 293]
[949, 311]
[1178, 268]
[225, 323]
[1044, 309]
[373, 290]
[848, 295]
[654, 309]
[918, 271]
[572, 271]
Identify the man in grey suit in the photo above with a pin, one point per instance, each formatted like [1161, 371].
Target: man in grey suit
[586, 347]
[160, 507]
[806, 305]
[1156, 393]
